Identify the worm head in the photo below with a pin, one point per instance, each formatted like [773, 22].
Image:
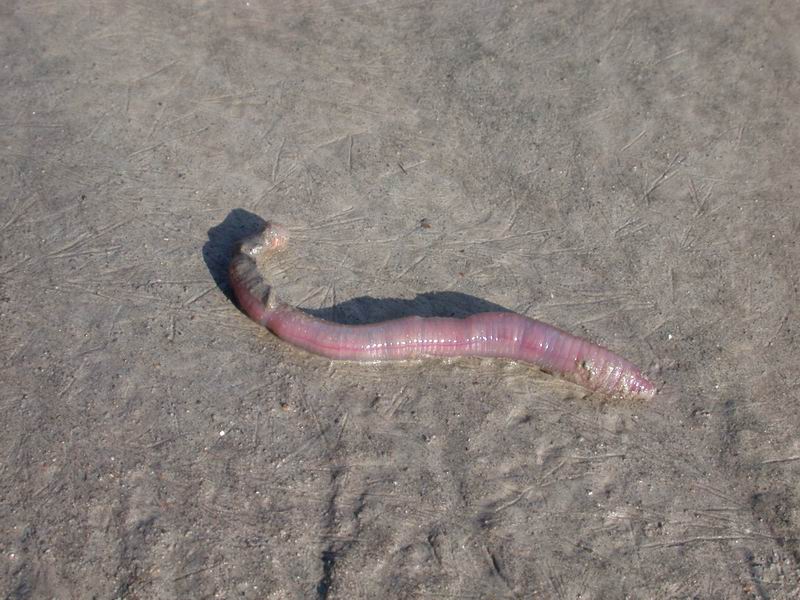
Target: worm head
[275, 235]
[258, 243]
[253, 245]
[272, 237]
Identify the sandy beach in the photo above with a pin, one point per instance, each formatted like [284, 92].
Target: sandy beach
[625, 171]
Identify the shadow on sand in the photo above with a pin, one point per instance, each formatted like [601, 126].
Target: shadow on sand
[240, 223]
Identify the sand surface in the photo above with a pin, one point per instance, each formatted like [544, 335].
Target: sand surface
[627, 171]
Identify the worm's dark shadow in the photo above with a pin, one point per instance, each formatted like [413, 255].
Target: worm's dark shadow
[221, 240]
[430, 304]
[240, 223]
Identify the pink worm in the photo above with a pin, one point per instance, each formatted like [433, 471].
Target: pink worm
[492, 334]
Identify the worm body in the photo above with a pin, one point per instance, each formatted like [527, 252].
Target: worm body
[494, 334]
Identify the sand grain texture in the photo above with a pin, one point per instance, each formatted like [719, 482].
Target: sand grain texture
[625, 171]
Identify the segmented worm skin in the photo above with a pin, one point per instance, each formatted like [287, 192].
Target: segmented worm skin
[493, 334]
